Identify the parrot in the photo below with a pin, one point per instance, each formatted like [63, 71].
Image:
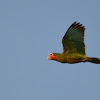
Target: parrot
[73, 47]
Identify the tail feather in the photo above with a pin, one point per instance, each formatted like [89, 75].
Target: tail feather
[94, 60]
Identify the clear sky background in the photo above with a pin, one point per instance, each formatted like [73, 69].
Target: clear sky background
[29, 31]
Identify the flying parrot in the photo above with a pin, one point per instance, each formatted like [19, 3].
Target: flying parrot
[73, 47]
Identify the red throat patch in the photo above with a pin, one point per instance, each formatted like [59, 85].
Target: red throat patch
[54, 58]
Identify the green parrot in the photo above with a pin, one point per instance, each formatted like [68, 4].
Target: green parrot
[73, 47]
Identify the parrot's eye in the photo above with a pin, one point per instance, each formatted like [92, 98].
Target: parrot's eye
[51, 54]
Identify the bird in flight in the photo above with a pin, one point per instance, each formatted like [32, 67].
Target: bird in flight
[73, 47]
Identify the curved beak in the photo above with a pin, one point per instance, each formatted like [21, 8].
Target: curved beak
[48, 58]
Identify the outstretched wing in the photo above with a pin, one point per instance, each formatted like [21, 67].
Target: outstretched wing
[73, 40]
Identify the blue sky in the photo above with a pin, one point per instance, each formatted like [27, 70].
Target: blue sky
[29, 31]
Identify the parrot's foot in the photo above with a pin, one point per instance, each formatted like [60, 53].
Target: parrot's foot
[84, 60]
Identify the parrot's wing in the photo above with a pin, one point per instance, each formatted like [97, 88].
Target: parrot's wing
[73, 40]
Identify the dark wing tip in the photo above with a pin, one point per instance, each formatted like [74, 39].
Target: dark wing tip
[77, 26]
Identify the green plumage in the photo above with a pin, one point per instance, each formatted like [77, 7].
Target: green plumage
[73, 40]
[71, 57]
[75, 58]
[73, 47]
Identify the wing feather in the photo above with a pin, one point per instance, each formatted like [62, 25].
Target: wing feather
[73, 40]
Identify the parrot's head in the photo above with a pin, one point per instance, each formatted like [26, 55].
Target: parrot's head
[52, 56]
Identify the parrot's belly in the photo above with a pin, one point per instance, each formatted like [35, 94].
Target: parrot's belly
[75, 60]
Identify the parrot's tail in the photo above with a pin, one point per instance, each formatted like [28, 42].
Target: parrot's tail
[94, 60]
